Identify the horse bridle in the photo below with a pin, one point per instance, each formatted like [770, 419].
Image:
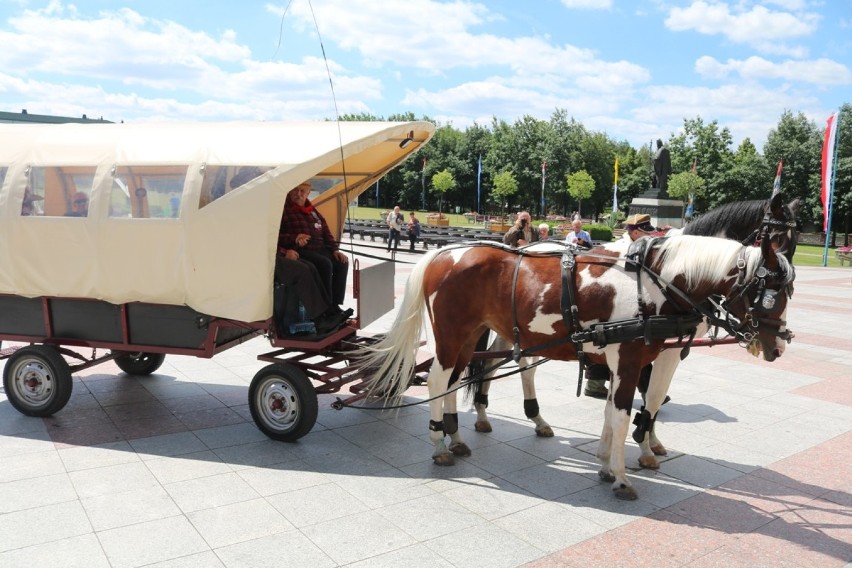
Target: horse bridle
[763, 302]
[787, 225]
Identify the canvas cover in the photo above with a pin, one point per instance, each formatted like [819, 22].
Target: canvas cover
[215, 257]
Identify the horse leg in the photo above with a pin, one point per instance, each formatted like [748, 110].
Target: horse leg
[437, 383]
[605, 445]
[617, 418]
[542, 428]
[480, 404]
[480, 398]
[451, 427]
[661, 377]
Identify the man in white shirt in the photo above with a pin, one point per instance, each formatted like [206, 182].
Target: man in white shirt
[394, 222]
[636, 226]
[578, 236]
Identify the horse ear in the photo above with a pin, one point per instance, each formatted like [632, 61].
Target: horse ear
[794, 206]
[775, 205]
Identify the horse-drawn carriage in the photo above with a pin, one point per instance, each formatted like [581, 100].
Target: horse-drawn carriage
[175, 252]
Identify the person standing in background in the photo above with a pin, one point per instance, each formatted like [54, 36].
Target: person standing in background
[394, 221]
[413, 229]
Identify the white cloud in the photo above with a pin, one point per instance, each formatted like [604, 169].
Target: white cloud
[588, 4]
[818, 71]
[756, 25]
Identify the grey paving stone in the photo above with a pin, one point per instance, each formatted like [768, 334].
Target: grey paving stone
[36, 492]
[485, 547]
[282, 477]
[65, 520]
[129, 507]
[76, 552]
[214, 491]
[154, 541]
[291, 548]
[27, 466]
[225, 525]
[101, 455]
[112, 479]
[357, 537]
[316, 504]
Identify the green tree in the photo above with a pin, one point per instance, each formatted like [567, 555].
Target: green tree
[580, 187]
[683, 185]
[505, 185]
[442, 182]
[798, 142]
[708, 146]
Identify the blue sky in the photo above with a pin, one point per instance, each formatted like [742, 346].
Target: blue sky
[632, 69]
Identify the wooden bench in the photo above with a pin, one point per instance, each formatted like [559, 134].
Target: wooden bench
[844, 255]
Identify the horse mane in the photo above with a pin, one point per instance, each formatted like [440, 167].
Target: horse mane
[734, 220]
[700, 259]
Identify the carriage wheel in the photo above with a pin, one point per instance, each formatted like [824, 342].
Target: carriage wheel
[283, 402]
[139, 363]
[37, 380]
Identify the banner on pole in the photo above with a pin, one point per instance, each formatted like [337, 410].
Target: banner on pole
[776, 187]
[615, 190]
[828, 168]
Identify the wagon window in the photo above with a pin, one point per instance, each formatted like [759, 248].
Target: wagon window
[58, 191]
[147, 192]
[220, 180]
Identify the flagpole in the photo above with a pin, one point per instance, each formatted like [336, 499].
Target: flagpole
[830, 203]
[543, 175]
[478, 180]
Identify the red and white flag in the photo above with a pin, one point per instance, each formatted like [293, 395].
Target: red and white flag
[828, 166]
[776, 187]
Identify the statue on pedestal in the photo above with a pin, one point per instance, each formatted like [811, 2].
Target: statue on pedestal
[662, 167]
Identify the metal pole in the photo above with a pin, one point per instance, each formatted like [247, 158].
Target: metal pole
[543, 176]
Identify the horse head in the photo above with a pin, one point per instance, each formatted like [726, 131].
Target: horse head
[779, 225]
[757, 304]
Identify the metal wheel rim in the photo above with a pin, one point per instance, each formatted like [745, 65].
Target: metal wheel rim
[278, 404]
[33, 381]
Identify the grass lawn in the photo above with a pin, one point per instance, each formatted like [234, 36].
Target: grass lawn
[375, 213]
[811, 255]
[806, 255]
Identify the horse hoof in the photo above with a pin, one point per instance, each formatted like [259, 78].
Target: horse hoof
[482, 426]
[546, 432]
[649, 462]
[444, 459]
[606, 476]
[460, 450]
[659, 450]
[625, 493]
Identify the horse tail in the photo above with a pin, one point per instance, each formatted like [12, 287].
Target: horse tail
[391, 361]
[476, 367]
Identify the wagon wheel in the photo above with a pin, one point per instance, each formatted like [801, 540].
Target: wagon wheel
[283, 402]
[139, 363]
[37, 380]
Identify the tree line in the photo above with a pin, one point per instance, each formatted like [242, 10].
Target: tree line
[573, 168]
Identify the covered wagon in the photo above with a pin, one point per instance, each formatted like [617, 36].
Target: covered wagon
[148, 239]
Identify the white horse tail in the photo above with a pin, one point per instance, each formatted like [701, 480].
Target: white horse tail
[391, 361]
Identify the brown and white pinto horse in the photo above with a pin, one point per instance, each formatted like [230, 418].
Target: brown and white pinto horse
[745, 221]
[470, 288]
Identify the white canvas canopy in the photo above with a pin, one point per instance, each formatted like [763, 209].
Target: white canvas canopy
[171, 218]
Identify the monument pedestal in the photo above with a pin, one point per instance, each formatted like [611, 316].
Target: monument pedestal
[663, 209]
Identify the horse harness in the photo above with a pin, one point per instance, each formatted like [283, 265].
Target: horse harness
[649, 327]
